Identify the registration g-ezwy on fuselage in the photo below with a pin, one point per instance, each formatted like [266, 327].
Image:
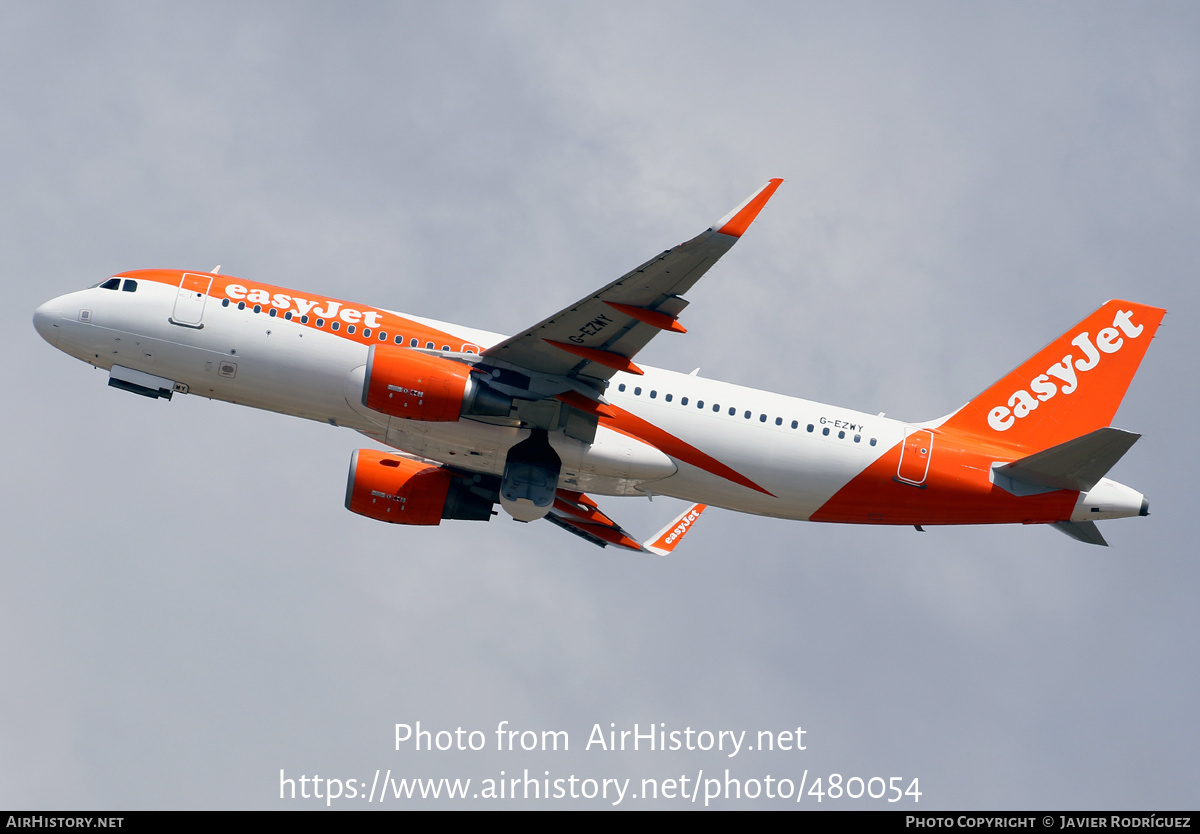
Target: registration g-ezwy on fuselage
[537, 421]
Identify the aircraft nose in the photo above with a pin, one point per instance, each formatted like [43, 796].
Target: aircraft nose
[46, 319]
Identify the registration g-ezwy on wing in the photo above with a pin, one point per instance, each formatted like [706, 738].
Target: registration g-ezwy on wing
[541, 421]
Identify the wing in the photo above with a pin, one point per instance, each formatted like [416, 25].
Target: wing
[593, 339]
[577, 513]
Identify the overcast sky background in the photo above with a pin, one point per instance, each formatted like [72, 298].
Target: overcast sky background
[186, 608]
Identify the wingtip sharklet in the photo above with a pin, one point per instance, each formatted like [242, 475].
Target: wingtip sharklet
[737, 221]
[668, 537]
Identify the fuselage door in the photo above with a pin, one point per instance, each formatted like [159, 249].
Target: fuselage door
[189, 303]
[915, 457]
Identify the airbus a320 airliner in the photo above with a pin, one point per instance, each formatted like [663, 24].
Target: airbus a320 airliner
[537, 421]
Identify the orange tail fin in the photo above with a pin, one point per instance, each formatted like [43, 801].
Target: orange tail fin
[1071, 387]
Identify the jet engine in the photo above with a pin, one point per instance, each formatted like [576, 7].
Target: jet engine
[401, 491]
[417, 386]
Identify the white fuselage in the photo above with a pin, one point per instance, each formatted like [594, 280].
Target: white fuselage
[664, 433]
[270, 363]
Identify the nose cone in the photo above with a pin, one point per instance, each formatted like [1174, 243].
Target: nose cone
[46, 319]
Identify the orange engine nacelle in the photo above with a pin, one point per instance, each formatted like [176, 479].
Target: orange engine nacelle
[417, 386]
[402, 491]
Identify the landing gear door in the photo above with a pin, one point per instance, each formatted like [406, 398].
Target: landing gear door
[915, 457]
[189, 303]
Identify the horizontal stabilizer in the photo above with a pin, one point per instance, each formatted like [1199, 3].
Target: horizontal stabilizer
[1078, 464]
[1084, 531]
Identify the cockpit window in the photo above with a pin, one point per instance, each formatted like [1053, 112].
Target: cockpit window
[129, 286]
[111, 284]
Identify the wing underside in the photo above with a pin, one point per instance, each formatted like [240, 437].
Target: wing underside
[579, 514]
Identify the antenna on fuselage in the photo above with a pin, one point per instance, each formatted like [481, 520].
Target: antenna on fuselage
[216, 270]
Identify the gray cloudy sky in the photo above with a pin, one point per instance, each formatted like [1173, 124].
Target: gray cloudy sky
[185, 606]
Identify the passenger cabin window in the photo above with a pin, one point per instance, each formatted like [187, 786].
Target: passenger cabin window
[669, 397]
[621, 387]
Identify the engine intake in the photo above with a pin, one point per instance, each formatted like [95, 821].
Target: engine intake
[389, 488]
[417, 386]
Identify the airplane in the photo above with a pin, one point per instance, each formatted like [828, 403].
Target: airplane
[540, 421]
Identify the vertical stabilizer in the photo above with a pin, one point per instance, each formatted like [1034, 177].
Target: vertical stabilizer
[1071, 387]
